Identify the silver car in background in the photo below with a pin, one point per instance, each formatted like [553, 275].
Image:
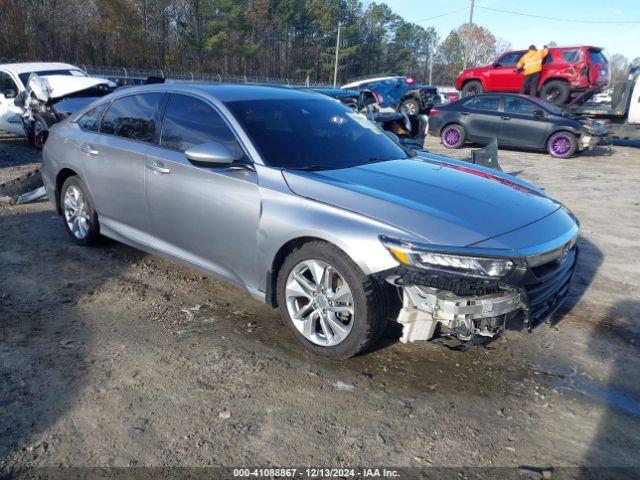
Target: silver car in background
[314, 210]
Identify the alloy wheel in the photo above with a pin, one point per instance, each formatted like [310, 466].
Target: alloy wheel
[320, 302]
[76, 212]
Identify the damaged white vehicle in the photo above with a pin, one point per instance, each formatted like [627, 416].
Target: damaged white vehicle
[34, 96]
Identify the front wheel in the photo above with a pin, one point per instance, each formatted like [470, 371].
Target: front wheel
[453, 136]
[331, 306]
[80, 218]
[474, 87]
[562, 144]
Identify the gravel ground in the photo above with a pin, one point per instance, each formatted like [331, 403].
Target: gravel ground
[112, 357]
[16, 157]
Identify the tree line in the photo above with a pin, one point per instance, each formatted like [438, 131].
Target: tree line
[293, 39]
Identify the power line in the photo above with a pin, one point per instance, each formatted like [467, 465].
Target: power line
[441, 15]
[572, 20]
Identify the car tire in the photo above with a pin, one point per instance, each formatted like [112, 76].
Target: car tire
[357, 330]
[556, 92]
[453, 136]
[474, 87]
[562, 144]
[78, 214]
[410, 106]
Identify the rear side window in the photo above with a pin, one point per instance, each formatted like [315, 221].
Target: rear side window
[189, 121]
[571, 56]
[491, 104]
[91, 120]
[596, 56]
[133, 117]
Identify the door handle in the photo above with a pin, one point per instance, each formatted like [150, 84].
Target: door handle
[465, 113]
[158, 167]
[89, 149]
[505, 117]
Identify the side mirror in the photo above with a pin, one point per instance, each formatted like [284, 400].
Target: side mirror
[9, 93]
[21, 99]
[211, 154]
[538, 113]
[496, 64]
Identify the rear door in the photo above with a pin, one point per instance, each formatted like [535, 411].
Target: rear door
[520, 127]
[206, 216]
[480, 116]
[503, 78]
[115, 162]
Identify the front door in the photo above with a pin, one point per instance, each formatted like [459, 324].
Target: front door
[520, 126]
[10, 114]
[480, 117]
[206, 216]
[503, 78]
[115, 162]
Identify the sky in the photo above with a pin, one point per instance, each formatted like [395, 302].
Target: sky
[523, 31]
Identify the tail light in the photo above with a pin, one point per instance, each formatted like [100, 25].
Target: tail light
[410, 81]
[379, 98]
[434, 111]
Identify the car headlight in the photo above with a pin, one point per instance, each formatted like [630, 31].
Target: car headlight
[408, 254]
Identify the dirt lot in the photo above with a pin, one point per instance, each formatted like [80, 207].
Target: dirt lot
[112, 357]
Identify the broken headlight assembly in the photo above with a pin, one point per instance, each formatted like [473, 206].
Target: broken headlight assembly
[435, 258]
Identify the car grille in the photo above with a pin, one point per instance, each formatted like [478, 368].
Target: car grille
[546, 295]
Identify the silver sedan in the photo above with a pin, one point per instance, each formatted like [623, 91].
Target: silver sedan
[312, 209]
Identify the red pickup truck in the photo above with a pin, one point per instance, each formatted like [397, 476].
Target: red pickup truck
[565, 71]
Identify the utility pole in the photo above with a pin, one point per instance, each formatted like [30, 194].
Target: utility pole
[468, 42]
[432, 52]
[335, 69]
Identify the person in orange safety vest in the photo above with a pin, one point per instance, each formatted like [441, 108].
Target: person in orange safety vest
[531, 63]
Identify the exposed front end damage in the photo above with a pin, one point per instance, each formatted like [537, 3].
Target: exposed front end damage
[467, 311]
[52, 98]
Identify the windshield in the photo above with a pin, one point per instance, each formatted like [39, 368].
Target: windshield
[312, 134]
[24, 77]
[550, 107]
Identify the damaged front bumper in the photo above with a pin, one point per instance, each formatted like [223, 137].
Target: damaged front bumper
[473, 312]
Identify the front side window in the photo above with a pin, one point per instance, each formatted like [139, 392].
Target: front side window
[519, 106]
[189, 121]
[510, 59]
[312, 133]
[133, 117]
[90, 121]
[489, 104]
[7, 83]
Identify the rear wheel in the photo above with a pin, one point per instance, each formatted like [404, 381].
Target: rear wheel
[556, 92]
[453, 136]
[80, 218]
[474, 87]
[332, 307]
[562, 144]
[410, 106]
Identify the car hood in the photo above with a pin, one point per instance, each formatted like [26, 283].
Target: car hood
[49, 88]
[442, 201]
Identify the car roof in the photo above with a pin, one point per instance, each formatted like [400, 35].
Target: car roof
[19, 68]
[357, 83]
[229, 92]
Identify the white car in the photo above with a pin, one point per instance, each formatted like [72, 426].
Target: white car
[37, 87]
